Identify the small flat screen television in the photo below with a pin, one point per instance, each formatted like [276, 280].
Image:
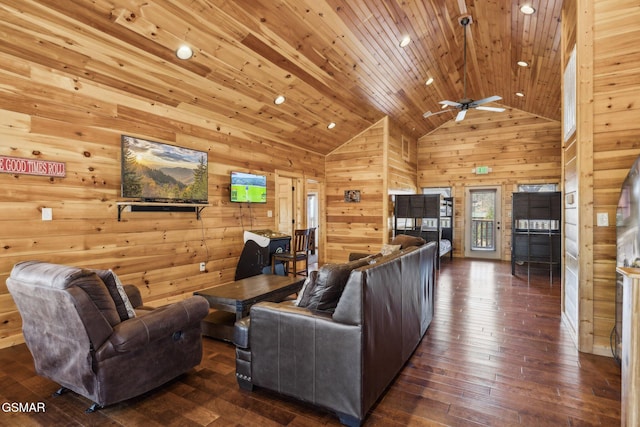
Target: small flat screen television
[157, 172]
[249, 188]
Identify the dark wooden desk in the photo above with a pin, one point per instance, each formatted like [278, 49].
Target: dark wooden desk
[233, 301]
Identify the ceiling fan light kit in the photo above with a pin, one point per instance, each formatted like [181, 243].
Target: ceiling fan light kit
[465, 103]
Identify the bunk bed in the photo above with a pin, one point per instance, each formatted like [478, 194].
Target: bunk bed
[428, 216]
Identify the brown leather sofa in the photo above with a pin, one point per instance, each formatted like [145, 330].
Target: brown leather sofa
[341, 355]
[78, 325]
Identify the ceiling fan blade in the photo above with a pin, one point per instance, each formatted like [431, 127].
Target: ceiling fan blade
[450, 103]
[486, 100]
[429, 113]
[466, 103]
[496, 109]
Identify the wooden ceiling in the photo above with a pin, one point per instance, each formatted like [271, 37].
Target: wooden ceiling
[334, 60]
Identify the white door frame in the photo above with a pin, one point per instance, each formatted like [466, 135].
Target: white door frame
[486, 254]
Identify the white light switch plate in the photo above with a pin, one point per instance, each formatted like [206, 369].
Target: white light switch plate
[602, 219]
[47, 214]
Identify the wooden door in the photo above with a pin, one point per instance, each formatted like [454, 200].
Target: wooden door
[284, 204]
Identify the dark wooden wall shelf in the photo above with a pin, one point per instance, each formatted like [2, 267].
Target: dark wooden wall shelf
[161, 207]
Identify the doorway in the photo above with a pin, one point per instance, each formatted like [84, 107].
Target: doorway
[483, 223]
[313, 222]
[299, 205]
[285, 204]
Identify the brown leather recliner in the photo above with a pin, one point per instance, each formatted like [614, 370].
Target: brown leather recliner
[78, 325]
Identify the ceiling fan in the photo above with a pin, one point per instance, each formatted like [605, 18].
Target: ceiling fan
[465, 103]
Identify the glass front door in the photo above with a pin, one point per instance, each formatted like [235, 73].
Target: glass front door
[482, 233]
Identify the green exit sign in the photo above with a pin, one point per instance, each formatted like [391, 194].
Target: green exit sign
[482, 170]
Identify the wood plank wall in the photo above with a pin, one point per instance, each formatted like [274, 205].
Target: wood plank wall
[616, 142]
[374, 163]
[597, 158]
[402, 154]
[357, 165]
[519, 148]
[402, 160]
[584, 140]
[45, 114]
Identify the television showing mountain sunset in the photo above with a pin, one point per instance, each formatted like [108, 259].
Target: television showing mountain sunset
[162, 172]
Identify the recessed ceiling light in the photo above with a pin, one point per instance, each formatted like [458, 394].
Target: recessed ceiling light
[429, 81]
[527, 9]
[405, 41]
[331, 125]
[523, 63]
[279, 100]
[184, 52]
[520, 94]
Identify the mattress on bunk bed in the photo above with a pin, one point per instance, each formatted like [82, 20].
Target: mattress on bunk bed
[429, 235]
[445, 246]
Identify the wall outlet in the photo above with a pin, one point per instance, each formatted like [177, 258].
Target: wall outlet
[203, 266]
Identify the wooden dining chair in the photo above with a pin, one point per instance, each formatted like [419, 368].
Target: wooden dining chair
[299, 252]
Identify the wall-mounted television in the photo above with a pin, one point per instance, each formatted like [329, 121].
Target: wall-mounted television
[248, 187]
[157, 172]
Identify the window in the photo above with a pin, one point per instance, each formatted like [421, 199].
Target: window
[444, 191]
[570, 90]
[536, 188]
[406, 153]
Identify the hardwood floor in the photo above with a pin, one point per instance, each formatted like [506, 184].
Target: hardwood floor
[496, 354]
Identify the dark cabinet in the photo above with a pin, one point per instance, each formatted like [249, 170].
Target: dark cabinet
[535, 232]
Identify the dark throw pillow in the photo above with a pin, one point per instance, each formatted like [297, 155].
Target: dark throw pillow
[98, 293]
[405, 241]
[305, 293]
[118, 294]
[329, 285]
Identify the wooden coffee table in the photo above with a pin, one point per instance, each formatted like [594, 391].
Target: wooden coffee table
[234, 300]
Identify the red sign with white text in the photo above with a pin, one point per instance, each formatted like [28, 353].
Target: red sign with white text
[19, 165]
